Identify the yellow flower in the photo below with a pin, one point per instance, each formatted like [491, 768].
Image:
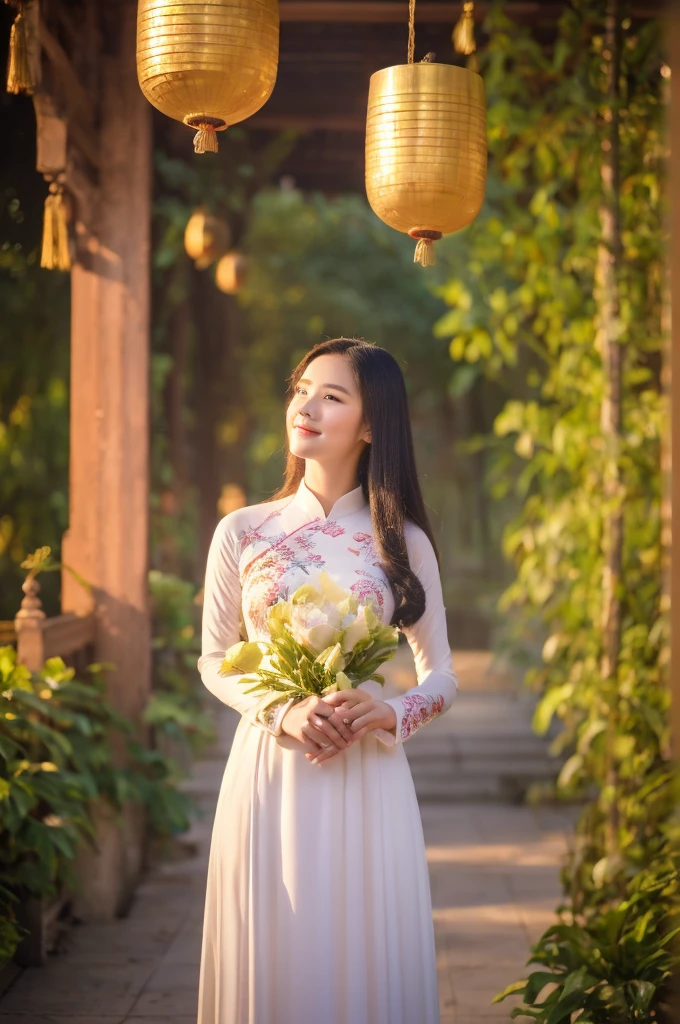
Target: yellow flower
[331, 658]
[243, 657]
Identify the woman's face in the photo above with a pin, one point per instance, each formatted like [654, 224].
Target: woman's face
[328, 404]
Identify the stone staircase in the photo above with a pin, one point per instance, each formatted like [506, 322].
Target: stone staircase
[483, 748]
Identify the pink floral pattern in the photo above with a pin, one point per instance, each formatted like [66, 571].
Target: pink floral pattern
[368, 586]
[419, 709]
[254, 533]
[270, 565]
[366, 545]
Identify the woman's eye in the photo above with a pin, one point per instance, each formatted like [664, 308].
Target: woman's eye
[332, 396]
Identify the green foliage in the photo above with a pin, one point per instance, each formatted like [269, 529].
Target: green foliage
[34, 372]
[55, 759]
[610, 965]
[175, 708]
[323, 268]
[526, 313]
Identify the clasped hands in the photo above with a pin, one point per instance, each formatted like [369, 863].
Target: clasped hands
[316, 730]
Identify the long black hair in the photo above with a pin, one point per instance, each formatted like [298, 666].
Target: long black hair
[387, 468]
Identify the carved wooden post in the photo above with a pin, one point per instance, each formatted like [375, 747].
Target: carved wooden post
[29, 627]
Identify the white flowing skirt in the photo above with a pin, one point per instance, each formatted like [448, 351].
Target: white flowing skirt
[318, 906]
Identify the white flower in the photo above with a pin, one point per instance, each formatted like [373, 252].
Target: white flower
[355, 631]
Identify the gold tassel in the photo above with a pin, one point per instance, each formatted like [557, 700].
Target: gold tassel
[55, 254]
[425, 237]
[18, 66]
[205, 139]
[463, 35]
[424, 252]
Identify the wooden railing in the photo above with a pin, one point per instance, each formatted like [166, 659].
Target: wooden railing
[39, 637]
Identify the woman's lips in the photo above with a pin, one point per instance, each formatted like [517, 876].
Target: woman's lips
[309, 433]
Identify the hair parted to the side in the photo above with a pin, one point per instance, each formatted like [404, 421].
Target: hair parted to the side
[387, 469]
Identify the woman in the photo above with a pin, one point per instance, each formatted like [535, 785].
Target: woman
[318, 907]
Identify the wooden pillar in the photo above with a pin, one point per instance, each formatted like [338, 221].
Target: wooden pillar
[107, 539]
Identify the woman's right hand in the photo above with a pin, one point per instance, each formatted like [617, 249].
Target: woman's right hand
[316, 730]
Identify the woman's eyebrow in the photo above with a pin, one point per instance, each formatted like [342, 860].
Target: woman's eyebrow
[338, 387]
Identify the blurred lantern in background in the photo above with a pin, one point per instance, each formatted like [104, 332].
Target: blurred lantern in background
[426, 151]
[231, 272]
[208, 63]
[232, 496]
[206, 237]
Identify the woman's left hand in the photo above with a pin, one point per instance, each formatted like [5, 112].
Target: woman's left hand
[364, 713]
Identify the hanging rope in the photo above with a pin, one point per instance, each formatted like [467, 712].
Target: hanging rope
[411, 29]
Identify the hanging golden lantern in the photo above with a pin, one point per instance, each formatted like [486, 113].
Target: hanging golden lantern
[231, 272]
[208, 63]
[425, 148]
[206, 237]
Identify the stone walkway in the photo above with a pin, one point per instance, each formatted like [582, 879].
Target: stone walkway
[493, 870]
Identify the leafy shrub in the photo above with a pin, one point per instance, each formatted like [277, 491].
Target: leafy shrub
[175, 708]
[55, 758]
[610, 965]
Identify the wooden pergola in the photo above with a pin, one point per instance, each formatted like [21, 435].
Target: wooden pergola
[95, 129]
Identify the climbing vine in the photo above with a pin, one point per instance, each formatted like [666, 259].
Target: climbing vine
[558, 293]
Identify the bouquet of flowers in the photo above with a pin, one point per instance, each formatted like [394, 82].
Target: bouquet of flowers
[321, 641]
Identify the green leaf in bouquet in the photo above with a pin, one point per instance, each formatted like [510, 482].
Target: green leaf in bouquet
[342, 681]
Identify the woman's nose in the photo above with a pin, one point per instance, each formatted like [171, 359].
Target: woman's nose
[307, 407]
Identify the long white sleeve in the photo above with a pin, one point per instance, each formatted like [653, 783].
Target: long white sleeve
[221, 619]
[428, 639]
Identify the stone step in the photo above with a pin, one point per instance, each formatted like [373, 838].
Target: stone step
[483, 769]
[472, 789]
[477, 751]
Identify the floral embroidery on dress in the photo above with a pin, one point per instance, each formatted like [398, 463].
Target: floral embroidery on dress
[367, 545]
[368, 586]
[329, 527]
[269, 565]
[254, 533]
[419, 708]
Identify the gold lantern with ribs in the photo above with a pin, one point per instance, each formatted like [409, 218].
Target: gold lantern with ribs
[208, 63]
[426, 152]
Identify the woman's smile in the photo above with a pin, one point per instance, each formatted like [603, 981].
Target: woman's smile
[307, 432]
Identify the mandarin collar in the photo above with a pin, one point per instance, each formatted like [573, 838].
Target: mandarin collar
[346, 504]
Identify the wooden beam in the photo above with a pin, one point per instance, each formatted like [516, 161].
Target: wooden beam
[309, 122]
[75, 98]
[384, 11]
